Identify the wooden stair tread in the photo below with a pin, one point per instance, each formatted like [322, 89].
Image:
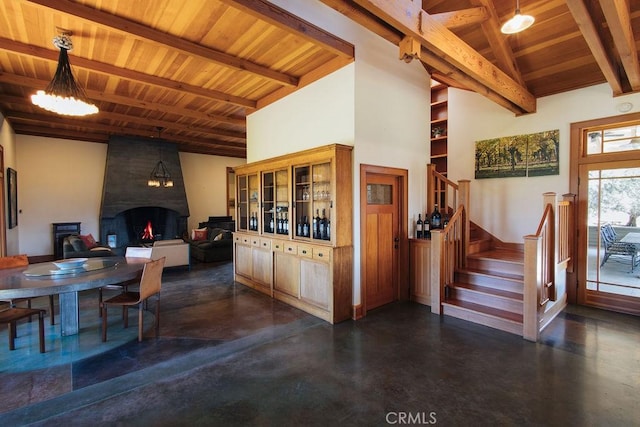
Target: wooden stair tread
[500, 255]
[487, 311]
[489, 273]
[488, 290]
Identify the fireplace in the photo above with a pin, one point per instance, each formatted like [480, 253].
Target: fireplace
[129, 206]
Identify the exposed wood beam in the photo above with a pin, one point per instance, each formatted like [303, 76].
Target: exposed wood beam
[499, 42]
[113, 71]
[590, 33]
[616, 12]
[146, 121]
[462, 18]
[408, 17]
[125, 100]
[195, 145]
[287, 21]
[129, 28]
[114, 130]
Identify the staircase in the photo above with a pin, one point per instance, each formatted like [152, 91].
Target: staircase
[489, 291]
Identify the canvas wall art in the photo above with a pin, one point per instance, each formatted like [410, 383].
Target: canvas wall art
[534, 154]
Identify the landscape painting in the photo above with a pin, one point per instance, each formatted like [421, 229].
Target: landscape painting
[534, 154]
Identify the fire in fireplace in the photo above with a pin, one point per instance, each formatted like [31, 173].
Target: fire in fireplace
[147, 234]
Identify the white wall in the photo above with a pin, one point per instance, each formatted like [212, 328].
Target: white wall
[61, 180]
[378, 104]
[510, 208]
[205, 181]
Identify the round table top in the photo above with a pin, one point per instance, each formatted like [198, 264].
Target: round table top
[40, 279]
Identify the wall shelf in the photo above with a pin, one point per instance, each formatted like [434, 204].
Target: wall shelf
[439, 119]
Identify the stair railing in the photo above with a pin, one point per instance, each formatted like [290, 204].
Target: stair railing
[449, 246]
[545, 255]
[448, 254]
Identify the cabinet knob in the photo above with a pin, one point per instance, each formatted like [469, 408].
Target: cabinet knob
[304, 252]
[320, 255]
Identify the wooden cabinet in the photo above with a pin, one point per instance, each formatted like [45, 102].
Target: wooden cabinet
[256, 266]
[439, 126]
[419, 270]
[307, 263]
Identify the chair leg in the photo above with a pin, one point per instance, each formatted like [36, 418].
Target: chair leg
[99, 302]
[12, 335]
[140, 316]
[41, 330]
[104, 322]
[157, 322]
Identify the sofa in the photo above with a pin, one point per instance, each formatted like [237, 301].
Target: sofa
[176, 252]
[80, 246]
[211, 244]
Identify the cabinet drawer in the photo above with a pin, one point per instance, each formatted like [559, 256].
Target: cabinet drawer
[291, 248]
[322, 254]
[255, 241]
[245, 239]
[265, 243]
[305, 251]
[278, 246]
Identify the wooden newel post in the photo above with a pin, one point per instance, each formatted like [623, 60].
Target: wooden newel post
[464, 192]
[437, 293]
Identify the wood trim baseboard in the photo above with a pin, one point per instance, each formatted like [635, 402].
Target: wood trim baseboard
[358, 312]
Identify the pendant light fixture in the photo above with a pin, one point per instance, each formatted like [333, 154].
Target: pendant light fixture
[160, 175]
[63, 95]
[518, 22]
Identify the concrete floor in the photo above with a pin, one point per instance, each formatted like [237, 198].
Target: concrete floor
[228, 355]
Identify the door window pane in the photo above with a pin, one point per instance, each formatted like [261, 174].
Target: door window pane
[379, 194]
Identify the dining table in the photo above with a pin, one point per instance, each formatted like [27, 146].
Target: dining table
[66, 278]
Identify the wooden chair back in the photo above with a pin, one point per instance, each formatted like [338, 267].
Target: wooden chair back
[151, 279]
[13, 261]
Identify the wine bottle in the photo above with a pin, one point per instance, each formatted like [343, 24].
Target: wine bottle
[316, 225]
[323, 225]
[436, 218]
[299, 228]
[419, 229]
[305, 227]
[285, 224]
[426, 234]
[271, 224]
[328, 230]
[251, 222]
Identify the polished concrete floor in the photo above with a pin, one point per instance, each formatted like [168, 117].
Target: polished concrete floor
[228, 355]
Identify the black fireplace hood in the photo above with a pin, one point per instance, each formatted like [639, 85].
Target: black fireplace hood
[130, 161]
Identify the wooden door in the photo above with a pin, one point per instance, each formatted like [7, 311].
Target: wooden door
[381, 239]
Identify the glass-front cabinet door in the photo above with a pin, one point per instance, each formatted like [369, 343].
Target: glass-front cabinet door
[312, 192]
[243, 203]
[248, 202]
[275, 202]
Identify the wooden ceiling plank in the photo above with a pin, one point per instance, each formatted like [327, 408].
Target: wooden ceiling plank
[29, 129]
[616, 13]
[126, 100]
[283, 19]
[462, 18]
[408, 17]
[114, 22]
[589, 31]
[499, 42]
[113, 71]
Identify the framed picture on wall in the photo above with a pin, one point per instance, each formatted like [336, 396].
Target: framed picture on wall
[12, 196]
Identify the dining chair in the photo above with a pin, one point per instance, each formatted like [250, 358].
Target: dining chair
[12, 314]
[14, 261]
[131, 252]
[150, 284]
